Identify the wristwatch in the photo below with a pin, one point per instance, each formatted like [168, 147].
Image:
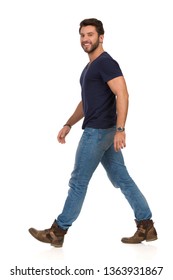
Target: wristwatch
[120, 129]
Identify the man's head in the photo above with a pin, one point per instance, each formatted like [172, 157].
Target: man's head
[94, 22]
[91, 34]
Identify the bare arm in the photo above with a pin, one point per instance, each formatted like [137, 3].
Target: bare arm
[76, 116]
[119, 88]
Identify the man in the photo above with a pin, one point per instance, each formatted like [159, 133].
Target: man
[104, 107]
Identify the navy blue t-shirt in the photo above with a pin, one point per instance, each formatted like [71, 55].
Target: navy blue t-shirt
[99, 102]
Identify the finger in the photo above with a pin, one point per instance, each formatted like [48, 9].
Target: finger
[119, 145]
[123, 144]
[61, 139]
[116, 147]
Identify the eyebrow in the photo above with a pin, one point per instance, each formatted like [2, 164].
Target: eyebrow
[89, 33]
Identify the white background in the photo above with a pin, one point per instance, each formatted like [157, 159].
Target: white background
[40, 63]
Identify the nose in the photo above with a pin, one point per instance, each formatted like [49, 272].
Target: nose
[84, 38]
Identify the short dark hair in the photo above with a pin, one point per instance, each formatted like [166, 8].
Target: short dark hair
[94, 22]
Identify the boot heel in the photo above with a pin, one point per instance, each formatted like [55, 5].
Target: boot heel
[151, 235]
[152, 239]
[57, 241]
[56, 245]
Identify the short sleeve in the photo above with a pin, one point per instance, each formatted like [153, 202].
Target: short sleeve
[109, 69]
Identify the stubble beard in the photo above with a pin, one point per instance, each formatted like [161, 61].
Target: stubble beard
[92, 49]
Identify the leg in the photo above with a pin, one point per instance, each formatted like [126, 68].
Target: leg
[88, 156]
[113, 163]
[90, 150]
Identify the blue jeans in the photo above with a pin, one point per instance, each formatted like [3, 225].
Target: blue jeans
[95, 146]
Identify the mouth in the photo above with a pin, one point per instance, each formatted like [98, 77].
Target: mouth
[86, 44]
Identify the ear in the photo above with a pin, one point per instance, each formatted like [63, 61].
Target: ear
[101, 37]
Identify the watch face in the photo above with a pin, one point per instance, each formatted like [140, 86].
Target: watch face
[120, 129]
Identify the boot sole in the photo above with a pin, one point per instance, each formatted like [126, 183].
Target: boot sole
[131, 242]
[147, 240]
[56, 246]
[153, 239]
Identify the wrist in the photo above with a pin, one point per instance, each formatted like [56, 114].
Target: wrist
[67, 124]
[120, 129]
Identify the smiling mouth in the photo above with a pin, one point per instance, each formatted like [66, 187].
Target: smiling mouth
[86, 44]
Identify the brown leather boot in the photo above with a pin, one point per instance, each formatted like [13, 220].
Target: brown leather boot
[145, 231]
[53, 235]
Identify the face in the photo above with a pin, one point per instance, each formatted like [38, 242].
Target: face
[89, 38]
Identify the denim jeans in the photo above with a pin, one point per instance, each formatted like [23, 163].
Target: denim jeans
[96, 146]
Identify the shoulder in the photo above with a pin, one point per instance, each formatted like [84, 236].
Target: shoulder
[109, 67]
[108, 63]
[107, 58]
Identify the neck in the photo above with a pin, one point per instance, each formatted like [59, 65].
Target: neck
[95, 54]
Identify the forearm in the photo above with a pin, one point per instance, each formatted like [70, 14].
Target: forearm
[122, 109]
[119, 88]
[77, 115]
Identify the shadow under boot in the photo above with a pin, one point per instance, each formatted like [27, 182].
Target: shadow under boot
[145, 231]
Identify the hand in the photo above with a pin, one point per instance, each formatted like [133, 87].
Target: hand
[119, 141]
[62, 134]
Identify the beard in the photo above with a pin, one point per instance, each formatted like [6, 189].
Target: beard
[92, 47]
